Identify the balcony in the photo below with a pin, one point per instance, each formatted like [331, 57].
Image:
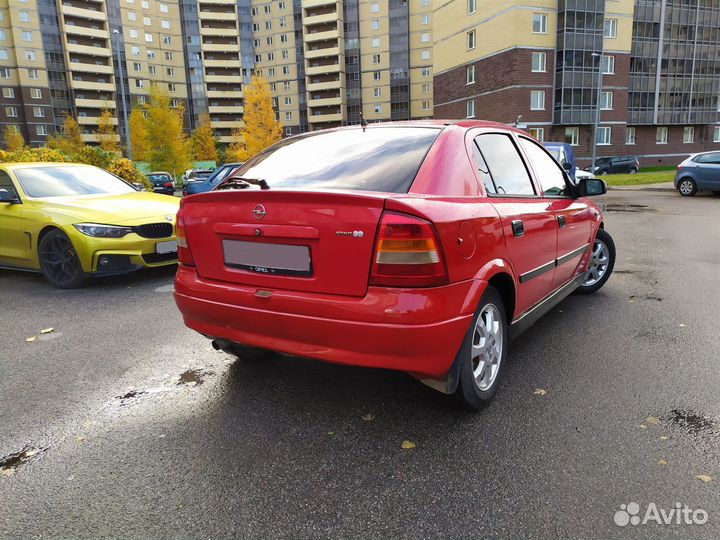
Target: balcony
[93, 120]
[323, 102]
[89, 50]
[91, 137]
[95, 103]
[220, 47]
[321, 118]
[223, 2]
[321, 53]
[225, 109]
[92, 85]
[218, 32]
[327, 85]
[320, 19]
[321, 36]
[315, 3]
[85, 32]
[234, 63]
[84, 13]
[216, 16]
[322, 70]
[91, 68]
[232, 94]
[223, 79]
[227, 124]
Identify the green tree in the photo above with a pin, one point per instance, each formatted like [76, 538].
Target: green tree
[139, 135]
[13, 139]
[203, 141]
[106, 132]
[261, 127]
[169, 146]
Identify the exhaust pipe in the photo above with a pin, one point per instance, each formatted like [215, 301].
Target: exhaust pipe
[223, 345]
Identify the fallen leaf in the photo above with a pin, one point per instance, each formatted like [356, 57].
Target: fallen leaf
[539, 392]
[652, 420]
[643, 426]
[331, 433]
[664, 437]
[662, 462]
[47, 330]
[6, 472]
[407, 445]
[368, 417]
[704, 477]
[631, 301]
[80, 439]
[681, 325]
[31, 453]
[31, 338]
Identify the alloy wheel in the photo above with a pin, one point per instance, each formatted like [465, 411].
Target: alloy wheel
[686, 187]
[598, 263]
[487, 347]
[59, 261]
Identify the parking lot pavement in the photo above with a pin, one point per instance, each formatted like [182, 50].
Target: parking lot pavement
[121, 423]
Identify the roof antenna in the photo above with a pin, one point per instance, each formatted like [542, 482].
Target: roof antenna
[363, 122]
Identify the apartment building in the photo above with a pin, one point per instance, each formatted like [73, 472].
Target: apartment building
[651, 67]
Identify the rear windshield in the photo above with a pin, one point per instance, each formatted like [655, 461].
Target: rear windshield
[382, 159]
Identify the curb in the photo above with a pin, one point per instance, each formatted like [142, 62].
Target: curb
[648, 187]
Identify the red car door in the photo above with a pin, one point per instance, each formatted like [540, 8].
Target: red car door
[527, 220]
[574, 217]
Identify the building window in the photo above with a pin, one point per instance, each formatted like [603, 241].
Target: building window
[41, 130]
[425, 72]
[426, 105]
[255, 11]
[286, 85]
[376, 59]
[281, 6]
[288, 100]
[572, 136]
[376, 75]
[137, 66]
[426, 88]
[167, 40]
[4, 54]
[163, 8]
[270, 56]
[11, 112]
[630, 135]
[610, 28]
[286, 70]
[538, 133]
[165, 24]
[606, 101]
[716, 134]
[148, 38]
[145, 4]
[470, 109]
[608, 65]
[284, 54]
[377, 92]
[472, 6]
[375, 24]
[425, 37]
[283, 23]
[268, 25]
[539, 62]
[171, 72]
[136, 51]
[4, 73]
[133, 33]
[470, 40]
[38, 112]
[266, 9]
[603, 137]
[425, 19]
[539, 23]
[171, 87]
[147, 21]
[688, 134]
[283, 38]
[27, 35]
[537, 100]
[378, 108]
[152, 69]
[33, 74]
[256, 27]
[376, 42]
[425, 55]
[288, 115]
[661, 135]
[8, 93]
[374, 8]
[269, 40]
[24, 16]
[132, 16]
[168, 56]
[2, 35]
[470, 75]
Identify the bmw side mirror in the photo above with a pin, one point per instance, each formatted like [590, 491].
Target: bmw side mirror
[7, 197]
[139, 186]
[589, 187]
[567, 165]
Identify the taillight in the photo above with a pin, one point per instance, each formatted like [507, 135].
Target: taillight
[184, 254]
[407, 254]
[168, 184]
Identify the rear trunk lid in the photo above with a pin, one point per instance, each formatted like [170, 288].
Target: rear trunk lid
[303, 241]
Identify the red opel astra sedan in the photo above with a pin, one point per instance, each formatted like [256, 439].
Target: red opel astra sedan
[418, 246]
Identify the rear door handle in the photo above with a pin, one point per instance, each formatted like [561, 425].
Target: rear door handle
[561, 221]
[518, 228]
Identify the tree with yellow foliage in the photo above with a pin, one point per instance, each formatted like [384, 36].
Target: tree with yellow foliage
[169, 146]
[261, 127]
[203, 141]
[235, 151]
[13, 139]
[70, 140]
[106, 132]
[139, 135]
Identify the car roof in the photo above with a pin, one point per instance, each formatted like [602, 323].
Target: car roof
[160, 172]
[430, 123]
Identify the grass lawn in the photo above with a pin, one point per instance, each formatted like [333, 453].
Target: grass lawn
[651, 177]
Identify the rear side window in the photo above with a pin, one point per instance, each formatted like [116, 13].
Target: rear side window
[547, 171]
[382, 159]
[509, 175]
[6, 183]
[708, 158]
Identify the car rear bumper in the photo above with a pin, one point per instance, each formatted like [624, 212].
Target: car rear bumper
[414, 330]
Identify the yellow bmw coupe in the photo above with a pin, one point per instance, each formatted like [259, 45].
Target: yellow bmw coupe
[70, 221]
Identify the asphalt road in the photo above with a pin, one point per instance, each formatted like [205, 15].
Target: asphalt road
[133, 427]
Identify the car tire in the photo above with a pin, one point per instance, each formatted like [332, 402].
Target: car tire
[633, 171]
[483, 353]
[602, 262]
[59, 261]
[603, 172]
[687, 187]
[250, 354]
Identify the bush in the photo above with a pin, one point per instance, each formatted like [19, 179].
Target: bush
[125, 169]
[95, 155]
[29, 155]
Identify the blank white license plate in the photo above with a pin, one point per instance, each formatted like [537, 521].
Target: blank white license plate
[283, 259]
[166, 247]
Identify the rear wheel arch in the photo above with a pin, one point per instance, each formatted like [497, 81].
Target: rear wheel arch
[505, 285]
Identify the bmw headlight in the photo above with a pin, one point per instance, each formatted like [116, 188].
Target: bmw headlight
[103, 231]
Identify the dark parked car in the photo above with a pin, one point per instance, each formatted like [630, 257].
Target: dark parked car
[194, 175]
[615, 165]
[162, 182]
[699, 172]
[206, 184]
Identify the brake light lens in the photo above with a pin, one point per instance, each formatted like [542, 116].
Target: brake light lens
[184, 254]
[407, 253]
[168, 184]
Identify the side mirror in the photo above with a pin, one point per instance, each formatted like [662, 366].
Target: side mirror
[139, 186]
[589, 187]
[7, 197]
[567, 165]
